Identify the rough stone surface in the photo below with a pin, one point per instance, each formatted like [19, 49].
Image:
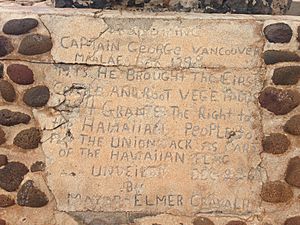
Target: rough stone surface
[7, 91]
[35, 44]
[31, 196]
[28, 138]
[292, 175]
[19, 26]
[37, 166]
[276, 143]
[11, 175]
[6, 201]
[276, 192]
[1, 70]
[2, 222]
[37, 96]
[3, 160]
[2, 136]
[20, 74]
[278, 33]
[288, 75]
[293, 221]
[5, 46]
[10, 118]
[277, 56]
[292, 126]
[202, 221]
[279, 101]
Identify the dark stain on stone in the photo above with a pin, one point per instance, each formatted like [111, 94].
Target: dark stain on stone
[275, 56]
[20, 74]
[11, 175]
[292, 174]
[37, 166]
[31, 196]
[298, 38]
[288, 75]
[3, 160]
[1, 70]
[35, 44]
[5, 46]
[37, 96]
[2, 136]
[293, 221]
[10, 118]
[19, 26]
[28, 138]
[236, 222]
[276, 143]
[278, 33]
[2, 222]
[7, 91]
[278, 101]
[202, 221]
[292, 126]
[276, 192]
[6, 201]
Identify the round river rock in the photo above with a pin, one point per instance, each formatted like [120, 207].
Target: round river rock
[292, 174]
[10, 118]
[28, 138]
[37, 96]
[2, 136]
[276, 143]
[19, 26]
[278, 33]
[6, 201]
[35, 44]
[5, 46]
[293, 221]
[20, 74]
[7, 91]
[276, 192]
[292, 126]
[202, 221]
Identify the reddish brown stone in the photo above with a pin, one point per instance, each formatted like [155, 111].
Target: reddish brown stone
[292, 174]
[6, 201]
[35, 44]
[292, 126]
[10, 118]
[19, 26]
[276, 143]
[20, 74]
[28, 139]
[236, 222]
[293, 221]
[11, 175]
[278, 33]
[2, 222]
[3, 160]
[276, 192]
[279, 101]
[274, 56]
[5, 46]
[37, 166]
[2, 136]
[288, 75]
[7, 91]
[202, 221]
[31, 196]
[37, 96]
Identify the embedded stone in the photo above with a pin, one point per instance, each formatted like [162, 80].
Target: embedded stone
[11, 175]
[276, 143]
[6, 201]
[19, 26]
[35, 44]
[37, 166]
[20, 74]
[7, 91]
[292, 126]
[10, 118]
[298, 38]
[202, 221]
[37, 96]
[288, 75]
[31, 196]
[236, 222]
[292, 174]
[2, 136]
[1, 70]
[279, 101]
[276, 192]
[278, 33]
[276, 56]
[2, 222]
[5, 46]
[3, 160]
[28, 139]
[293, 221]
